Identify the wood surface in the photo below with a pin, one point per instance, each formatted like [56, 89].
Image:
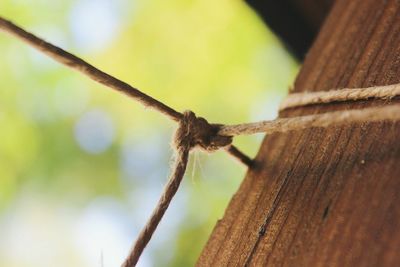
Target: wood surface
[325, 197]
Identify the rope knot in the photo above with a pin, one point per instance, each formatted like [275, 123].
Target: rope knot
[196, 131]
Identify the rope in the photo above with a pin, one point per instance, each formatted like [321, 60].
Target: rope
[82, 66]
[340, 95]
[391, 112]
[195, 131]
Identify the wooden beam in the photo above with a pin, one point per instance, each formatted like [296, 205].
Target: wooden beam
[325, 197]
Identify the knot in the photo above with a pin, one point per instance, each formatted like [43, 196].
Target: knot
[196, 131]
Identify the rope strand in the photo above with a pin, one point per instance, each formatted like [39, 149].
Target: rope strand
[85, 68]
[340, 95]
[320, 120]
[169, 191]
[241, 157]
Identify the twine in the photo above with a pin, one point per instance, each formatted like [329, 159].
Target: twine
[195, 131]
[391, 112]
[340, 95]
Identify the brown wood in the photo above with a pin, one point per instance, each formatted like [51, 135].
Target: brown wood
[325, 197]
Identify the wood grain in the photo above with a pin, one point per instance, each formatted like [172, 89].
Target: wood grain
[325, 197]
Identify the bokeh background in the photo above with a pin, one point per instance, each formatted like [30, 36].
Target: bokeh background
[81, 166]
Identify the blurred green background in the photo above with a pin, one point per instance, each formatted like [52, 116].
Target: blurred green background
[81, 166]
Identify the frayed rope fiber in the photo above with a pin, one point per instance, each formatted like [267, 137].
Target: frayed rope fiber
[197, 132]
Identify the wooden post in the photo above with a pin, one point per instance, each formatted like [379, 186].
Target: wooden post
[326, 197]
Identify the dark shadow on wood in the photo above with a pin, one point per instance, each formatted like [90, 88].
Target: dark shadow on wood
[296, 22]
